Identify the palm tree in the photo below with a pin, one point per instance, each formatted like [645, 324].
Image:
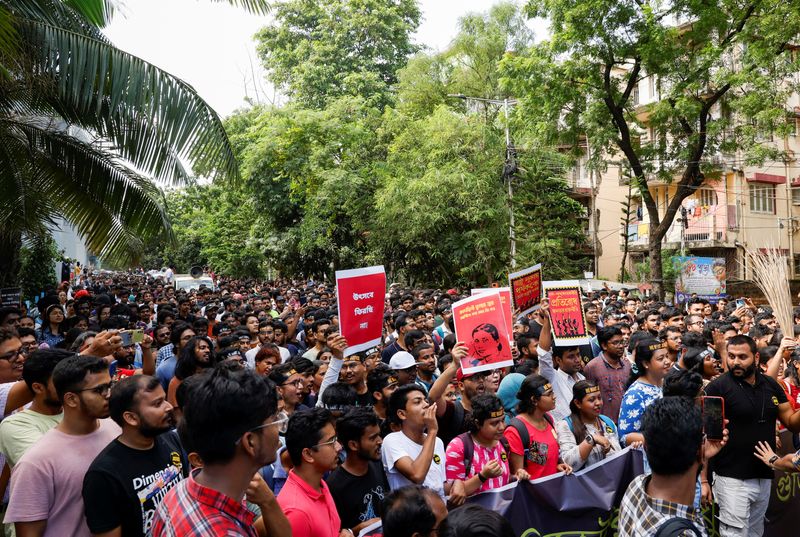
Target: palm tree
[87, 131]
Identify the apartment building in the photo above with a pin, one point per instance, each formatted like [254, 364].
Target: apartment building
[738, 206]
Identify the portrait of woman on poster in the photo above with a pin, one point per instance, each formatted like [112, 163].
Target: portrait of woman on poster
[486, 346]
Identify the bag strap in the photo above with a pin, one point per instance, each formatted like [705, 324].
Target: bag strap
[609, 423]
[522, 430]
[469, 452]
[675, 527]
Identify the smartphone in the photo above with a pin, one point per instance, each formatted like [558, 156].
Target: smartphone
[127, 338]
[740, 303]
[137, 336]
[713, 417]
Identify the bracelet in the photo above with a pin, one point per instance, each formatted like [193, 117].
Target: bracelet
[483, 479]
[773, 460]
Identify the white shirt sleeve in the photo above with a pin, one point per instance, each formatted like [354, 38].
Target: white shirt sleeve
[331, 376]
[546, 368]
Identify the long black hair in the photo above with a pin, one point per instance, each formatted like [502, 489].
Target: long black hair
[187, 362]
[579, 390]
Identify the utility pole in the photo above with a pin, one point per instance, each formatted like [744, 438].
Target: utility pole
[509, 167]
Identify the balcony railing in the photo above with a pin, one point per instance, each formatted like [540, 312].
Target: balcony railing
[705, 228]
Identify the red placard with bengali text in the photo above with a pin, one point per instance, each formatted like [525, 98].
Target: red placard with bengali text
[526, 289]
[566, 312]
[360, 295]
[480, 323]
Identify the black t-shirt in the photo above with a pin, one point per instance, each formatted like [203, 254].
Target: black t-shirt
[751, 411]
[123, 485]
[364, 399]
[453, 422]
[358, 498]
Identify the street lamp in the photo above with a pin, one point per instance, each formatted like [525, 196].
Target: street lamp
[510, 165]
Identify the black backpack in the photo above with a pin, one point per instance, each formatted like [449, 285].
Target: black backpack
[675, 527]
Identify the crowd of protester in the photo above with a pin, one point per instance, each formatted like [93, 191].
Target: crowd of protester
[130, 408]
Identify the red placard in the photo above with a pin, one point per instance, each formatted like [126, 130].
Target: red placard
[505, 302]
[360, 295]
[566, 312]
[526, 289]
[480, 323]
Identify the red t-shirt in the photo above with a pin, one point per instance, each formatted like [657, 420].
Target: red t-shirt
[542, 458]
[311, 513]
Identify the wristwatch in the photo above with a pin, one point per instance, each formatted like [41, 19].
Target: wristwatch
[773, 460]
[589, 439]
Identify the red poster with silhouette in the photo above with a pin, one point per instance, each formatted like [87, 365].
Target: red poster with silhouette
[526, 289]
[566, 312]
[360, 296]
[481, 324]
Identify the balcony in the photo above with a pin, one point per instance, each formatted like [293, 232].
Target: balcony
[708, 227]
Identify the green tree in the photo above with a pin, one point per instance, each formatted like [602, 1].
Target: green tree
[38, 258]
[723, 76]
[86, 127]
[316, 51]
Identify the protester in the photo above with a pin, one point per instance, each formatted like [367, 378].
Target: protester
[475, 521]
[753, 402]
[531, 436]
[313, 447]
[359, 485]
[413, 511]
[230, 422]
[477, 457]
[661, 503]
[47, 480]
[609, 370]
[129, 478]
[561, 367]
[586, 436]
[644, 386]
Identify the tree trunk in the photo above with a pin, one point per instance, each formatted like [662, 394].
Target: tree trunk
[10, 262]
[656, 268]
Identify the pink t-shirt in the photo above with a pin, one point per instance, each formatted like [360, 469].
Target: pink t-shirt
[480, 458]
[47, 481]
[543, 456]
[311, 513]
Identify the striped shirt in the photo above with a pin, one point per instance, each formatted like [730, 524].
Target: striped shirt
[454, 467]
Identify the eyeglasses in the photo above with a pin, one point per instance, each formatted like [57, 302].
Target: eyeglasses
[277, 423]
[100, 389]
[13, 355]
[296, 383]
[330, 442]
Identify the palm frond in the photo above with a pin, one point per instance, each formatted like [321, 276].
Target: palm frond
[97, 12]
[56, 13]
[90, 74]
[115, 210]
[257, 7]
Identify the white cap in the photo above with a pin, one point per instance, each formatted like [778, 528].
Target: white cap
[401, 360]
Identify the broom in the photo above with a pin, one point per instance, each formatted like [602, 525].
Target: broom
[771, 275]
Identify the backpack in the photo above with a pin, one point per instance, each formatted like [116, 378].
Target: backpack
[522, 430]
[675, 527]
[606, 421]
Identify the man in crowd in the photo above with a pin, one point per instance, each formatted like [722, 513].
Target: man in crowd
[230, 422]
[354, 373]
[47, 481]
[413, 512]
[313, 447]
[425, 358]
[128, 479]
[403, 324]
[319, 328]
[561, 367]
[609, 370]
[23, 429]
[753, 402]
[359, 485]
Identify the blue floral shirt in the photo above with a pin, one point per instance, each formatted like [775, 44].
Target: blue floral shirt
[636, 398]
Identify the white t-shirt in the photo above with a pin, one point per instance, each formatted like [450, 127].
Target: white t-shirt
[250, 356]
[398, 445]
[169, 275]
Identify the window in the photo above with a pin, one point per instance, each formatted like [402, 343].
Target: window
[651, 82]
[707, 196]
[635, 95]
[795, 195]
[762, 198]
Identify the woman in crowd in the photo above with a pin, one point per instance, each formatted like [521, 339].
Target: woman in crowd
[267, 357]
[538, 453]
[586, 437]
[51, 331]
[481, 449]
[650, 367]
